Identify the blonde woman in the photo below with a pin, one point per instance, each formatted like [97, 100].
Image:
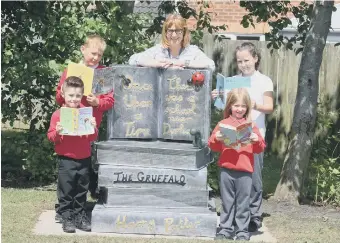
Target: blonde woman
[175, 49]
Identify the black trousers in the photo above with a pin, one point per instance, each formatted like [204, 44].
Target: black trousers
[73, 185]
[93, 177]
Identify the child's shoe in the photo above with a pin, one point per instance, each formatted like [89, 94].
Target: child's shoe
[223, 237]
[242, 237]
[68, 225]
[58, 218]
[254, 226]
[83, 222]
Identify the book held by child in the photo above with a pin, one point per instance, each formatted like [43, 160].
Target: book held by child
[236, 136]
[225, 84]
[96, 81]
[76, 121]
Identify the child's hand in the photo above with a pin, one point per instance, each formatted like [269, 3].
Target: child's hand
[254, 138]
[92, 100]
[219, 136]
[93, 122]
[253, 104]
[58, 128]
[214, 94]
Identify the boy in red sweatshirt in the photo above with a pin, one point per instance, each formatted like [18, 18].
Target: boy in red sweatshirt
[92, 51]
[236, 167]
[74, 157]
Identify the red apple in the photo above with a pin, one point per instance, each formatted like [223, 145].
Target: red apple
[197, 78]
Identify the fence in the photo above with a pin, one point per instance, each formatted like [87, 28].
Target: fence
[282, 67]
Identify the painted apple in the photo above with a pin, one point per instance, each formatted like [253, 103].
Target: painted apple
[197, 78]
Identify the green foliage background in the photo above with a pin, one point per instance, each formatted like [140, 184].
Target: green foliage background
[40, 38]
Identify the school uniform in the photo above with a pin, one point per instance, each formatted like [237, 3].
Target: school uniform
[236, 171]
[74, 157]
[259, 83]
[106, 102]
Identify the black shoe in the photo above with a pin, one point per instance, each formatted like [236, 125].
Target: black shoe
[68, 225]
[253, 226]
[58, 218]
[223, 237]
[83, 222]
[242, 237]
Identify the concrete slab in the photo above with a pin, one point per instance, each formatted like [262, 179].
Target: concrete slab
[46, 225]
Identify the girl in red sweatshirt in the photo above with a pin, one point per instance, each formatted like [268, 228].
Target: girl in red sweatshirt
[236, 167]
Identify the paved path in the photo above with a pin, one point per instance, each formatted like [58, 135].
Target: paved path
[46, 225]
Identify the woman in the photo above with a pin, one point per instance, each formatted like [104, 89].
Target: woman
[175, 49]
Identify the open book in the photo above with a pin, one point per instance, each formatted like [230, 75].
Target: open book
[235, 136]
[225, 84]
[159, 104]
[96, 81]
[76, 121]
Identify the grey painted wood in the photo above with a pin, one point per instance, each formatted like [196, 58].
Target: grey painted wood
[155, 197]
[184, 106]
[153, 154]
[158, 104]
[167, 221]
[135, 112]
[146, 177]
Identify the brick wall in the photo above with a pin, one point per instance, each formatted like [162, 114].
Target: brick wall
[230, 13]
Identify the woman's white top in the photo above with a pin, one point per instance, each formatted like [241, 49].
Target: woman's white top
[158, 52]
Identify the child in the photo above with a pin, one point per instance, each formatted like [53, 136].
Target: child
[261, 92]
[236, 167]
[74, 155]
[92, 51]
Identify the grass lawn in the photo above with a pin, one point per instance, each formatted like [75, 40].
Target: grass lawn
[21, 208]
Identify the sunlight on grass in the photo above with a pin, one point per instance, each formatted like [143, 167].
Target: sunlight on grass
[22, 207]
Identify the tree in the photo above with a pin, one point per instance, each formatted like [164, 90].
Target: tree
[39, 38]
[314, 23]
[303, 126]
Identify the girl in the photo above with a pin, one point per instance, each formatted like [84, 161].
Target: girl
[261, 94]
[236, 167]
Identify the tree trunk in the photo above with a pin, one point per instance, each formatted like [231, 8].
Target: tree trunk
[303, 126]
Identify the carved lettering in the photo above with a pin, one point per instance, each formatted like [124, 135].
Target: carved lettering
[185, 224]
[131, 130]
[141, 177]
[179, 119]
[178, 110]
[134, 86]
[192, 99]
[174, 98]
[175, 84]
[132, 102]
[123, 223]
[168, 130]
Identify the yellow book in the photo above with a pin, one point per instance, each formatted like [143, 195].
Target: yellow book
[85, 73]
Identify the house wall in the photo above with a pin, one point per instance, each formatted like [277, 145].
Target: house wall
[230, 13]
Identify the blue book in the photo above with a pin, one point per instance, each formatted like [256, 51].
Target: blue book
[225, 84]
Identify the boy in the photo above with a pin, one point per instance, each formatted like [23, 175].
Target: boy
[74, 156]
[92, 51]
